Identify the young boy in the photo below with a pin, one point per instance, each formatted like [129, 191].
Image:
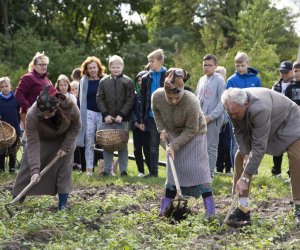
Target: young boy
[286, 78]
[245, 76]
[115, 100]
[9, 112]
[209, 90]
[151, 81]
[293, 90]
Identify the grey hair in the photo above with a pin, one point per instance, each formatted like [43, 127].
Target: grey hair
[236, 95]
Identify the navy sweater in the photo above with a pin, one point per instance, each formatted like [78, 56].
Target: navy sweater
[9, 111]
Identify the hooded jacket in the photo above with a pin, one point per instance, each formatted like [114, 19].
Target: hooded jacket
[244, 81]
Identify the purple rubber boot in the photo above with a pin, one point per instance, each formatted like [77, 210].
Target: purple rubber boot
[166, 205]
[209, 205]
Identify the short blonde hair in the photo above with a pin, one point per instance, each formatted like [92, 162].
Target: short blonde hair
[5, 79]
[222, 71]
[156, 54]
[74, 84]
[241, 57]
[38, 55]
[115, 59]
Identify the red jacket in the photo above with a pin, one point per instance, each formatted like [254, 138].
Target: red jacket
[28, 89]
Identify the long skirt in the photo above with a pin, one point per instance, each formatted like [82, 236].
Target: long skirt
[58, 179]
[191, 163]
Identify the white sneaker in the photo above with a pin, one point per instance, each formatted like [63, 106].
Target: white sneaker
[89, 172]
[141, 175]
[113, 173]
[288, 180]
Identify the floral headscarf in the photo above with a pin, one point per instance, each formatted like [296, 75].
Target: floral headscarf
[48, 100]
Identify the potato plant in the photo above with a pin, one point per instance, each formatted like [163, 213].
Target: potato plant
[122, 213]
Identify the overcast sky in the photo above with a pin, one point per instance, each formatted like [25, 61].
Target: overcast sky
[294, 6]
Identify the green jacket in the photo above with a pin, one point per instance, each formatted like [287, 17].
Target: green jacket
[115, 96]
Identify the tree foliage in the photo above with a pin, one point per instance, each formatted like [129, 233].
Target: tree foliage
[70, 30]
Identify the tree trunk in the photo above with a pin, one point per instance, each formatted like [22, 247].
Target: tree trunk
[89, 32]
[4, 4]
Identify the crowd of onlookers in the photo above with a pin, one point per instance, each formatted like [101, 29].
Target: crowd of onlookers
[115, 101]
[226, 124]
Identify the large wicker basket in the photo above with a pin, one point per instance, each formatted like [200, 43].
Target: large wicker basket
[7, 135]
[112, 139]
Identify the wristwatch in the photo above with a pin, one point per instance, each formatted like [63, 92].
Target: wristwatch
[245, 179]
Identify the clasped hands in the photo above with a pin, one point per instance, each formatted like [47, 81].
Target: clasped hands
[109, 119]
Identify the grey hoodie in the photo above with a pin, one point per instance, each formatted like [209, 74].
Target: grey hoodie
[209, 91]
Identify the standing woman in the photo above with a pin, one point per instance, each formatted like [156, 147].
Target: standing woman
[91, 71]
[32, 83]
[52, 125]
[179, 119]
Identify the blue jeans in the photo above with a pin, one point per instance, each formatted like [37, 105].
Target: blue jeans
[154, 146]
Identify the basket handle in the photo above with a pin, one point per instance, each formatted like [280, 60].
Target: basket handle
[2, 130]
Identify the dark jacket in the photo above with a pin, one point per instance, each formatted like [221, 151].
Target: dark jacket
[293, 92]
[145, 95]
[278, 85]
[115, 96]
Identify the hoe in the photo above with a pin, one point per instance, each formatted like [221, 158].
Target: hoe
[30, 185]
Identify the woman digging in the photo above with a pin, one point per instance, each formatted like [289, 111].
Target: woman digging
[52, 125]
[180, 121]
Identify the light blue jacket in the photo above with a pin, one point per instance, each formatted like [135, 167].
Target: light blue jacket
[83, 88]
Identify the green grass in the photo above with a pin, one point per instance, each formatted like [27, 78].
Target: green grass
[121, 213]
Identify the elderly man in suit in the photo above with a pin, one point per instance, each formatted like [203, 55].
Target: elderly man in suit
[264, 121]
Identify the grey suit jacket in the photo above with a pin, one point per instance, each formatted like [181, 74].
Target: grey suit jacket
[271, 125]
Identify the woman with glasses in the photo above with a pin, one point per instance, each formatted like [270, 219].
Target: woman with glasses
[32, 83]
[52, 126]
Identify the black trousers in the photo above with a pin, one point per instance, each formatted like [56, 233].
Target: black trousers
[141, 143]
[224, 147]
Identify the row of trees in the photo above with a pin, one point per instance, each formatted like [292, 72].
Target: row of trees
[70, 30]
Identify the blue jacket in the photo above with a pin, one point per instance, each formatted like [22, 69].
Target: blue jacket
[9, 111]
[244, 81]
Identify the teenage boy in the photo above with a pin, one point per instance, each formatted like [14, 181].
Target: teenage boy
[244, 77]
[209, 90]
[286, 76]
[151, 81]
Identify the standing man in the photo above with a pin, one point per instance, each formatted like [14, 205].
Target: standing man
[209, 90]
[286, 76]
[264, 122]
[151, 81]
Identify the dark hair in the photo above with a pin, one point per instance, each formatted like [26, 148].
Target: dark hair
[76, 74]
[210, 57]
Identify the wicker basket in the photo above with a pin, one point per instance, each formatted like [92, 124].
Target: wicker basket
[7, 135]
[112, 139]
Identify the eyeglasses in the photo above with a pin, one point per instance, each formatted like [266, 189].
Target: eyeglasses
[207, 65]
[42, 64]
